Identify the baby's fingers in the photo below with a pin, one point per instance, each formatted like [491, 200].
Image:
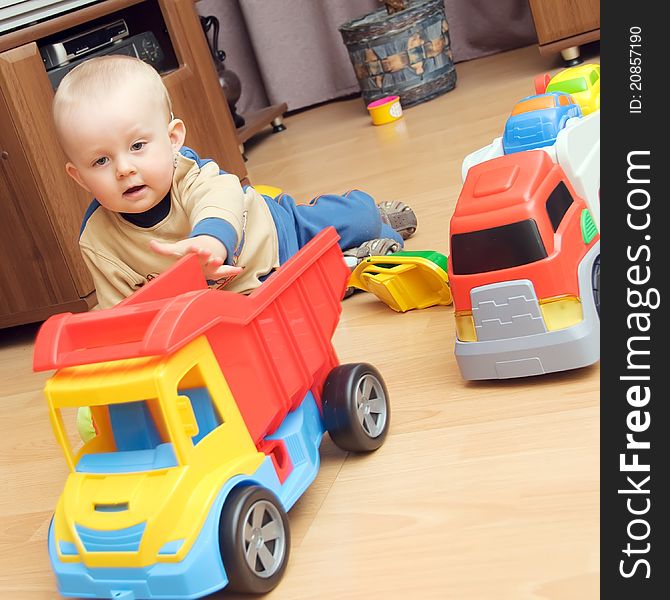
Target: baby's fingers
[211, 267]
[165, 249]
[224, 272]
[204, 254]
[214, 263]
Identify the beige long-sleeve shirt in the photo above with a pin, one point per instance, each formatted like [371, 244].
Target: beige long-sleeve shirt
[117, 252]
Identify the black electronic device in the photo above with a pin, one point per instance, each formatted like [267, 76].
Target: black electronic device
[144, 46]
[82, 44]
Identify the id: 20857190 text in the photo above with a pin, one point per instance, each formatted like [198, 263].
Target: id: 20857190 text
[635, 70]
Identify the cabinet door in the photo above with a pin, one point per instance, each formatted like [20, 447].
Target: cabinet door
[559, 19]
[33, 272]
[37, 165]
[41, 268]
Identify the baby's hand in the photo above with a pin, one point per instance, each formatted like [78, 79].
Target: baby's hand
[211, 253]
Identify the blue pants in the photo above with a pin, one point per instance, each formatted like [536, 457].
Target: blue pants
[354, 215]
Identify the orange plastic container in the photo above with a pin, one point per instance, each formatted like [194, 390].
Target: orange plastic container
[385, 110]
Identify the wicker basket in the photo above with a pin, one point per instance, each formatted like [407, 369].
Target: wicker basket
[406, 54]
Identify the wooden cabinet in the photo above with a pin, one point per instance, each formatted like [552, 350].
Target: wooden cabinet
[563, 25]
[41, 270]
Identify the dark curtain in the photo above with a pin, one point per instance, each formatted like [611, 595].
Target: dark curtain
[291, 50]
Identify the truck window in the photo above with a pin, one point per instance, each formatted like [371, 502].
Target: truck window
[206, 415]
[140, 438]
[133, 426]
[558, 203]
[533, 103]
[497, 248]
[571, 86]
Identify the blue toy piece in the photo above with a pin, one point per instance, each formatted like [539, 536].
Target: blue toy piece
[536, 120]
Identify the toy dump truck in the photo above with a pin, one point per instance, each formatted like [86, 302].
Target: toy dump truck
[209, 409]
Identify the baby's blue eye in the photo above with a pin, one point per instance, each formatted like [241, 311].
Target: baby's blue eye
[137, 145]
[101, 161]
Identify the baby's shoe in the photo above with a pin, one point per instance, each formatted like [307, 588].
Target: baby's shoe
[399, 216]
[376, 247]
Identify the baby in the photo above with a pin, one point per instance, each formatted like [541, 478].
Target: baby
[156, 200]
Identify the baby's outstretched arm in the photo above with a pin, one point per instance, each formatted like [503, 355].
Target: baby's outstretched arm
[211, 252]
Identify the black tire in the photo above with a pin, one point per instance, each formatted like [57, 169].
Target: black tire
[254, 562]
[595, 282]
[356, 411]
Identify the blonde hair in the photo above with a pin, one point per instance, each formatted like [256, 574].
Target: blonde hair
[95, 77]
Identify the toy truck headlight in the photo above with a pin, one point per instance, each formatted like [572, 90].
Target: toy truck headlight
[465, 326]
[561, 312]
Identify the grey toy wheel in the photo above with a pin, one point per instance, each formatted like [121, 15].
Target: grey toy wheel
[254, 539]
[595, 282]
[356, 410]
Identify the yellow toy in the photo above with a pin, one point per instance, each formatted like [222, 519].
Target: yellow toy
[582, 82]
[405, 280]
[385, 110]
[268, 190]
[121, 495]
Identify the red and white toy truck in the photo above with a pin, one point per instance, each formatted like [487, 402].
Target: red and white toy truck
[524, 270]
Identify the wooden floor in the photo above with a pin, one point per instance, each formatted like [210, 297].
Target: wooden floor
[482, 490]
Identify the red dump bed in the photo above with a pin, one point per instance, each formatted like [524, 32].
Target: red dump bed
[273, 345]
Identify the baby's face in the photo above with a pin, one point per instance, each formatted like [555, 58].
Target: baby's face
[121, 149]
